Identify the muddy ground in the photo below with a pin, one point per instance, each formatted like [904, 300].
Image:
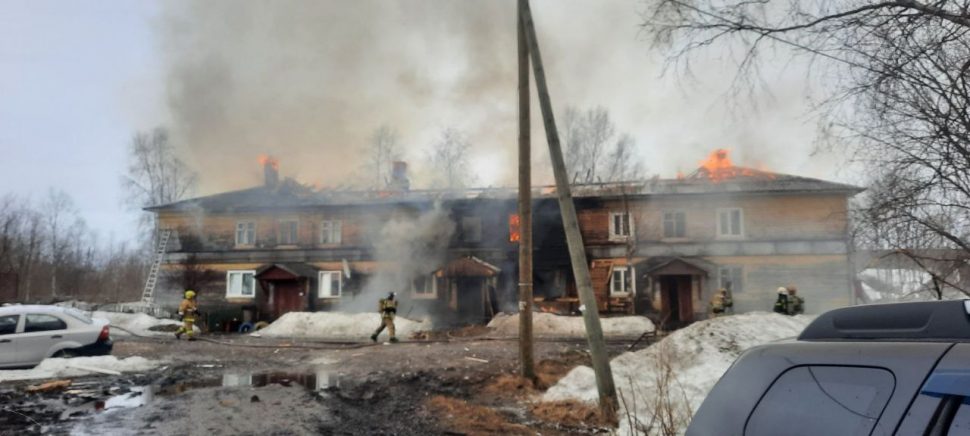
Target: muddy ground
[261, 386]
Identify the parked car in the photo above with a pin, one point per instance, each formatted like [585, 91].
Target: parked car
[890, 369]
[30, 334]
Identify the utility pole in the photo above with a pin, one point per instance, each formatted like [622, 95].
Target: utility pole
[574, 239]
[526, 355]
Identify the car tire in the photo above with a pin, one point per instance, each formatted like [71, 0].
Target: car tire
[246, 327]
[65, 354]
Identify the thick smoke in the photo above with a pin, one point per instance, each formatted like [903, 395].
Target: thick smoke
[415, 245]
[309, 81]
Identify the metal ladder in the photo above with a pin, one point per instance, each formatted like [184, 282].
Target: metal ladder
[148, 294]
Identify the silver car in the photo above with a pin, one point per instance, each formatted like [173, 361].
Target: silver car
[30, 334]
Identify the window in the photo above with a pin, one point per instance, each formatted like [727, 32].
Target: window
[729, 223]
[622, 281]
[288, 232]
[330, 284]
[821, 400]
[8, 324]
[330, 232]
[619, 225]
[43, 323]
[424, 287]
[731, 278]
[471, 229]
[241, 284]
[245, 233]
[675, 224]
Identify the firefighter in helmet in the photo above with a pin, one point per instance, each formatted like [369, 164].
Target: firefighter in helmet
[188, 310]
[721, 303]
[796, 304]
[388, 309]
[781, 304]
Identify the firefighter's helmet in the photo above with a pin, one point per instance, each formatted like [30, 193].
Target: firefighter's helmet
[190, 294]
[390, 295]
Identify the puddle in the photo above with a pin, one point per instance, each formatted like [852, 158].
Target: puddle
[141, 395]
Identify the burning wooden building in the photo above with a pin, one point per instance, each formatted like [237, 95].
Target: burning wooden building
[658, 246]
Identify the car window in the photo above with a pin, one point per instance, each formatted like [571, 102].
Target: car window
[8, 324]
[817, 400]
[36, 322]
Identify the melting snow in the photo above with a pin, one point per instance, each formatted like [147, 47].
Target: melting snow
[697, 357]
[339, 325]
[548, 324]
[60, 368]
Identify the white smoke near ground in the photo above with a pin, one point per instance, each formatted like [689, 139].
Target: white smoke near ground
[407, 247]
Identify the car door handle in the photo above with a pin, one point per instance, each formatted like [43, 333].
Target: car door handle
[4, 341]
[56, 337]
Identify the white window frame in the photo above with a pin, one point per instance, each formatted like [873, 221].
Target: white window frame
[425, 294]
[625, 272]
[239, 294]
[331, 232]
[279, 231]
[615, 234]
[717, 223]
[730, 275]
[321, 281]
[663, 223]
[250, 232]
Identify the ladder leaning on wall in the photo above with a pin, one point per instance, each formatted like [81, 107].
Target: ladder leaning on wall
[148, 295]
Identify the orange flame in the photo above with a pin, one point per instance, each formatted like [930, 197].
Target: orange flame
[515, 226]
[718, 167]
[717, 162]
[268, 160]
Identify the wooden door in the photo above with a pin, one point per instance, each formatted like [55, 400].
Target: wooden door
[287, 297]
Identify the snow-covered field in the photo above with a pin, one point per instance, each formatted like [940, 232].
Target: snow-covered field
[548, 324]
[696, 357]
[337, 325]
[78, 366]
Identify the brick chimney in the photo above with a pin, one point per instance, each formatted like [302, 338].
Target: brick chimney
[271, 171]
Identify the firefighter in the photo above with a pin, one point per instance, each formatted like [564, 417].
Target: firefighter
[188, 310]
[388, 308]
[796, 304]
[720, 303]
[781, 304]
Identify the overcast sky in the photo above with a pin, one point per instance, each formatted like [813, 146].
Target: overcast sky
[309, 81]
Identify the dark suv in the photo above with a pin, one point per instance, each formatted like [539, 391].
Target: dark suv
[889, 369]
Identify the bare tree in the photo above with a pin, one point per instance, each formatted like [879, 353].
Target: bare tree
[59, 214]
[381, 151]
[155, 174]
[449, 157]
[593, 153]
[897, 73]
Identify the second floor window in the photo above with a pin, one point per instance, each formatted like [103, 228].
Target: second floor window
[675, 224]
[245, 233]
[330, 232]
[288, 232]
[729, 223]
[619, 225]
[471, 229]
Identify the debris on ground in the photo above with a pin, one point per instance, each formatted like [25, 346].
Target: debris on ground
[570, 415]
[676, 374]
[49, 386]
[461, 417]
[469, 331]
[336, 325]
[548, 324]
[78, 366]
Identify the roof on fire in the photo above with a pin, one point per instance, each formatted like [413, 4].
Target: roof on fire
[291, 194]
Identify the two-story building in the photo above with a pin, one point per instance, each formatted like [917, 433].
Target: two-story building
[661, 246]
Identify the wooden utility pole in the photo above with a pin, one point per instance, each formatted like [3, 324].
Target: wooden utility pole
[526, 355]
[574, 239]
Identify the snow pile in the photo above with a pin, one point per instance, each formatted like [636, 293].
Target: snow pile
[681, 369]
[548, 324]
[61, 368]
[340, 325]
[139, 323]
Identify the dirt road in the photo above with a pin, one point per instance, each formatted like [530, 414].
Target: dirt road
[261, 386]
